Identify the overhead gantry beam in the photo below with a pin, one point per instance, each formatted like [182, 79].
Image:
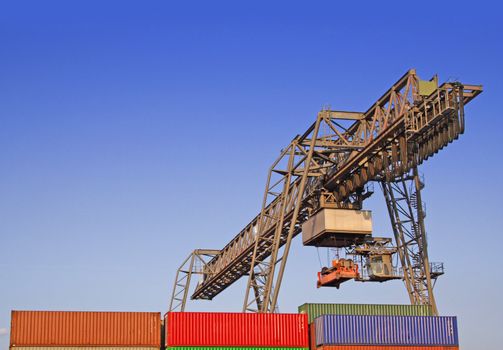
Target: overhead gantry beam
[332, 161]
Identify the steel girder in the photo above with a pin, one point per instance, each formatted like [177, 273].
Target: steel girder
[332, 162]
[191, 265]
[406, 211]
[296, 165]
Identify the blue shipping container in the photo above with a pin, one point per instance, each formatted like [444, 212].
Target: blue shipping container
[386, 330]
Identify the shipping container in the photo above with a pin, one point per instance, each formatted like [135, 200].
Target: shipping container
[315, 310]
[386, 330]
[312, 336]
[384, 347]
[230, 348]
[84, 348]
[236, 329]
[83, 328]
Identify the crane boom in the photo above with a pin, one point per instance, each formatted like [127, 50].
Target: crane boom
[329, 166]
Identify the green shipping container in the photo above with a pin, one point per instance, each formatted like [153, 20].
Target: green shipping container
[315, 310]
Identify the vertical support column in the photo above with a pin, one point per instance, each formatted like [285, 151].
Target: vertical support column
[403, 199]
[262, 268]
[266, 253]
[298, 204]
[181, 285]
[184, 274]
[424, 242]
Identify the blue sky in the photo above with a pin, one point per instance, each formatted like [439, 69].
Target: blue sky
[133, 132]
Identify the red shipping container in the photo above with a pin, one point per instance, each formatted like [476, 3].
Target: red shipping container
[83, 328]
[379, 347]
[236, 329]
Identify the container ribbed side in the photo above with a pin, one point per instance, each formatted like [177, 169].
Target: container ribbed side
[82, 328]
[386, 330]
[229, 348]
[236, 329]
[82, 348]
[385, 347]
[315, 310]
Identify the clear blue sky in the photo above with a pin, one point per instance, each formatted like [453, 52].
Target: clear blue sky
[135, 131]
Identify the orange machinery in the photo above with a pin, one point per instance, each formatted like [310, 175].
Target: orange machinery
[342, 270]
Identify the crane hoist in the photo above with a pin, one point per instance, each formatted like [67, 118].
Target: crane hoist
[342, 270]
[317, 186]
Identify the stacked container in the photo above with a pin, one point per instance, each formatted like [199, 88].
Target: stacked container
[315, 310]
[68, 330]
[226, 331]
[366, 327]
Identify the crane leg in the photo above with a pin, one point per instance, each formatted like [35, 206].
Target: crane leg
[403, 199]
[184, 274]
[264, 282]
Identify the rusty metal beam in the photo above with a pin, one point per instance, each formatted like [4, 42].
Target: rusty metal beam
[396, 134]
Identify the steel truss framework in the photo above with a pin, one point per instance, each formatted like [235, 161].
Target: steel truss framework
[191, 265]
[329, 166]
[406, 210]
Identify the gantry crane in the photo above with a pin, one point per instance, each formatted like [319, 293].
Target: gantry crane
[321, 177]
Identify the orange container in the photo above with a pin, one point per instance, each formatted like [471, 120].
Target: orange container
[379, 347]
[312, 337]
[81, 328]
